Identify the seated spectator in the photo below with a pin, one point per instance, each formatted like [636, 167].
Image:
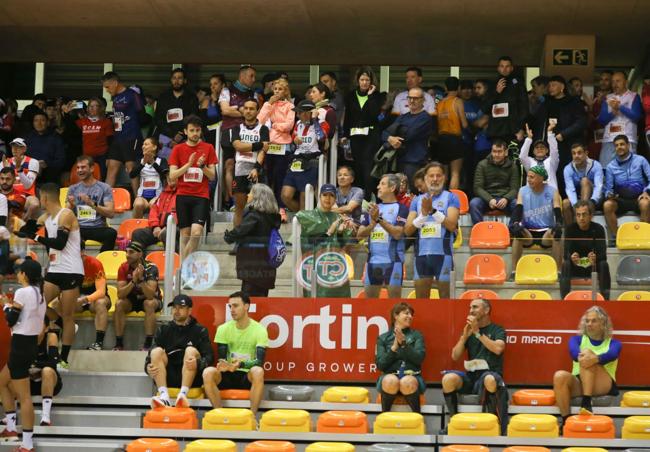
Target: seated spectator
[180, 353]
[585, 251]
[399, 356]
[163, 206]
[241, 350]
[403, 195]
[44, 379]
[583, 178]
[137, 291]
[485, 343]
[252, 237]
[627, 186]
[151, 171]
[595, 356]
[496, 183]
[384, 226]
[537, 217]
[25, 169]
[46, 146]
[348, 198]
[451, 124]
[645, 96]
[543, 154]
[92, 202]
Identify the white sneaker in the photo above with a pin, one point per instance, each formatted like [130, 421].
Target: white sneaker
[159, 402]
[181, 401]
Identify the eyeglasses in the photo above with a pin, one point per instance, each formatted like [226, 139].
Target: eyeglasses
[413, 99]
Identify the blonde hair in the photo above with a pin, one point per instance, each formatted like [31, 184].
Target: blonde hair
[285, 84]
[602, 316]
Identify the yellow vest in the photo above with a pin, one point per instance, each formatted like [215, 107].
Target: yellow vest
[585, 344]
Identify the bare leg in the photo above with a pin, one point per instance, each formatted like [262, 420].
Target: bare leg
[7, 397]
[122, 308]
[229, 175]
[547, 240]
[68, 301]
[565, 386]
[188, 374]
[287, 196]
[372, 291]
[140, 205]
[394, 291]
[423, 287]
[159, 361]
[211, 379]
[518, 247]
[595, 380]
[455, 168]
[100, 309]
[644, 207]
[256, 377]
[150, 316]
[609, 211]
[112, 168]
[567, 212]
[586, 189]
[196, 231]
[135, 182]
[443, 289]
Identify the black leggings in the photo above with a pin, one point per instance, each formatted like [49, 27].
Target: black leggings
[102, 234]
[569, 270]
[364, 149]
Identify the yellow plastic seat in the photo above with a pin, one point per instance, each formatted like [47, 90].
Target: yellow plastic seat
[536, 269]
[63, 196]
[636, 427]
[240, 419]
[634, 295]
[533, 426]
[285, 421]
[639, 399]
[270, 446]
[532, 295]
[330, 447]
[111, 260]
[633, 236]
[210, 445]
[433, 294]
[458, 241]
[193, 393]
[584, 449]
[474, 424]
[397, 423]
[345, 394]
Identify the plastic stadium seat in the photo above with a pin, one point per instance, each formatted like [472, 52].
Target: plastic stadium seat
[633, 236]
[193, 393]
[634, 295]
[171, 418]
[63, 196]
[534, 397]
[390, 447]
[464, 202]
[291, 393]
[589, 426]
[153, 445]
[74, 178]
[636, 427]
[536, 269]
[485, 269]
[479, 293]
[532, 295]
[111, 260]
[533, 426]
[526, 449]
[458, 241]
[270, 446]
[345, 394]
[634, 270]
[158, 259]
[383, 293]
[584, 295]
[229, 419]
[400, 400]
[285, 421]
[474, 424]
[489, 235]
[584, 449]
[342, 422]
[131, 224]
[393, 423]
[121, 200]
[433, 294]
[330, 447]
[210, 445]
[605, 400]
[465, 448]
[234, 394]
[639, 399]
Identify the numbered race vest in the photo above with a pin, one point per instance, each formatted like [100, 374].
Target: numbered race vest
[585, 344]
[621, 124]
[150, 182]
[538, 208]
[309, 138]
[382, 247]
[244, 163]
[434, 238]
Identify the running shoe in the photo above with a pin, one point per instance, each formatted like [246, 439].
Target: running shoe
[181, 401]
[159, 402]
[8, 435]
[95, 346]
[62, 366]
[118, 348]
[45, 423]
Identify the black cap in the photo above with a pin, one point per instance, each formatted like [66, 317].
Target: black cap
[304, 105]
[181, 300]
[135, 246]
[327, 188]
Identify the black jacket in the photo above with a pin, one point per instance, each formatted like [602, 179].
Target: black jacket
[188, 102]
[570, 115]
[514, 94]
[356, 116]
[174, 339]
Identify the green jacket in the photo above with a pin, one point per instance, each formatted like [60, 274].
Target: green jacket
[496, 181]
[412, 352]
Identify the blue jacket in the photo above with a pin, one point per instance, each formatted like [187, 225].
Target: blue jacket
[627, 178]
[572, 177]
[48, 147]
[415, 147]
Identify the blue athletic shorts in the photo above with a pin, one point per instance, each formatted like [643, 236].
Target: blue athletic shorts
[438, 266]
[300, 179]
[384, 274]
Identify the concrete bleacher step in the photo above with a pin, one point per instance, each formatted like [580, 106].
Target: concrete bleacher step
[107, 384]
[71, 445]
[91, 416]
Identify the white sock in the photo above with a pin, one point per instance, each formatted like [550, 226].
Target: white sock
[164, 393]
[184, 390]
[47, 408]
[10, 417]
[27, 439]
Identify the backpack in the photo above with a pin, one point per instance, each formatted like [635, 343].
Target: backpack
[277, 249]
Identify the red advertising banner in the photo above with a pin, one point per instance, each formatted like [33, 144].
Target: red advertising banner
[334, 339]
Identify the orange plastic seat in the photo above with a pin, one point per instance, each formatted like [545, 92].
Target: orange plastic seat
[589, 426]
[171, 418]
[270, 446]
[400, 400]
[121, 200]
[583, 295]
[342, 422]
[485, 269]
[464, 202]
[158, 259]
[465, 448]
[74, 178]
[489, 235]
[235, 394]
[534, 397]
[383, 293]
[479, 293]
[526, 449]
[128, 226]
[153, 445]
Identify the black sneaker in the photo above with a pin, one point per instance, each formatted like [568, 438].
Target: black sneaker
[95, 346]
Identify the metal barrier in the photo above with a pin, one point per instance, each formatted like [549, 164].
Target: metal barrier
[172, 278]
[295, 255]
[309, 197]
[322, 170]
[333, 158]
[217, 147]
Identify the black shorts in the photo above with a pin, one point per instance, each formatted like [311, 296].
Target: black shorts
[125, 151]
[35, 386]
[192, 210]
[627, 205]
[613, 390]
[175, 373]
[450, 148]
[241, 184]
[537, 239]
[22, 354]
[65, 281]
[137, 304]
[234, 380]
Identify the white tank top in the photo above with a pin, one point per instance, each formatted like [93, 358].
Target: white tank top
[68, 260]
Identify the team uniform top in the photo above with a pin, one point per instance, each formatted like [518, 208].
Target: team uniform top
[30, 320]
[382, 247]
[151, 177]
[433, 238]
[242, 343]
[193, 182]
[93, 272]
[68, 260]
[245, 162]
[538, 208]
[126, 107]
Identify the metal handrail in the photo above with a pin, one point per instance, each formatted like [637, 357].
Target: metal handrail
[309, 197]
[295, 255]
[217, 147]
[172, 280]
[321, 170]
[333, 158]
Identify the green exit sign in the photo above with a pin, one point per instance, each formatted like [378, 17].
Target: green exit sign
[570, 57]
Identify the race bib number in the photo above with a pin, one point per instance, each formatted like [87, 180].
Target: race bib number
[296, 166]
[118, 121]
[598, 135]
[54, 256]
[431, 230]
[245, 157]
[476, 364]
[500, 110]
[359, 131]
[150, 183]
[379, 235]
[193, 175]
[174, 114]
[86, 213]
[240, 356]
[616, 127]
[277, 149]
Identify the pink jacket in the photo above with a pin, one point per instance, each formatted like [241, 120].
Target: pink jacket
[282, 119]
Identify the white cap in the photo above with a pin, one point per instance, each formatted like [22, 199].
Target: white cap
[18, 142]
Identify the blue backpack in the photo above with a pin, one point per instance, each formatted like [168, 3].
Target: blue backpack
[277, 249]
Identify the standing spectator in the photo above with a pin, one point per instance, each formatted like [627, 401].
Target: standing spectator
[620, 114]
[27, 117]
[451, 124]
[337, 99]
[92, 202]
[409, 134]
[278, 114]
[475, 141]
[174, 105]
[128, 114]
[645, 95]
[46, 146]
[252, 237]
[320, 95]
[576, 89]
[163, 206]
[538, 93]
[596, 130]
[348, 198]
[402, 105]
[209, 109]
[266, 90]
[496, 183]
[361, 127]
[192, 164]
[545, 155]
[151, 171]
[585, 251]
[627, 186]
[583, 178]
[508, 104]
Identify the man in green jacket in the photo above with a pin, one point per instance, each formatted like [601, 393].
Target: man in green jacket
[496, 183]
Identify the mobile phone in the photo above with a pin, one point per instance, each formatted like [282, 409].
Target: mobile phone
[78, 105]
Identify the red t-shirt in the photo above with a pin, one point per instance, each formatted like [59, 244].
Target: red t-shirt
[93, 270]
[95, 135]
[193, 182]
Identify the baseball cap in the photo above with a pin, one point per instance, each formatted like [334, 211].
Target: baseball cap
[135, 246]
[304, 105]
[181, 300]
[18, 142]
[328, 188]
